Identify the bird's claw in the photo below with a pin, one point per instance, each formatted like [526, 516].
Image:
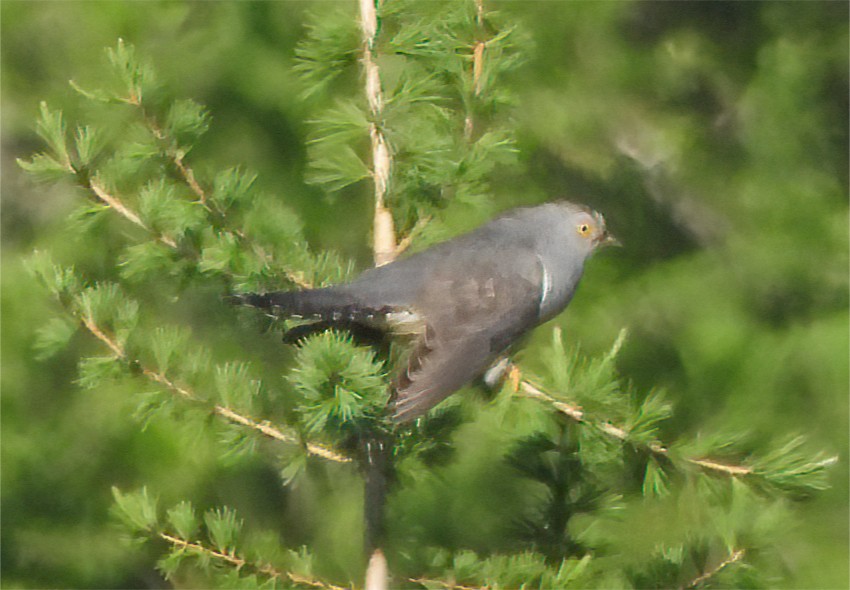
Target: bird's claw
[513, 376]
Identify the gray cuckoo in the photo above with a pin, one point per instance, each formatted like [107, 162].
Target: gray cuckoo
[464, 301]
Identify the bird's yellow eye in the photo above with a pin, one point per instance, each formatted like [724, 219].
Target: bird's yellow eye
[583, 229]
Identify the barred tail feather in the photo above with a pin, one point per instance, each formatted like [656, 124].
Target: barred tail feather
[330, 305]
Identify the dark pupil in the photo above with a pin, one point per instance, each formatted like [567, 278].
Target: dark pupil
[583, 228]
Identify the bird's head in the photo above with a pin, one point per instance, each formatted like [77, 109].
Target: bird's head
[589, 227]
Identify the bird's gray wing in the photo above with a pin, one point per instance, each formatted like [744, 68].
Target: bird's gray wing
[473, 310]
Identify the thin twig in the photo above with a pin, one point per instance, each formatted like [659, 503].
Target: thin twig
[263, 427]
[722, 467]
[477, 66]
[189, 176]
[175, 154]
[405, 242]
[572, 411]
[233, 560]
[92, 327]
[578, 415]
[734, 557]
[117, 205]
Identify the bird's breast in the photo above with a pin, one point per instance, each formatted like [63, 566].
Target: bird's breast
[558, 285]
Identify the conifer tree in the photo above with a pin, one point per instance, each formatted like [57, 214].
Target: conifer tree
[573, 455]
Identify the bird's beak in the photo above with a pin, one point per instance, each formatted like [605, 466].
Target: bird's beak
[605, 239]
[608, 240]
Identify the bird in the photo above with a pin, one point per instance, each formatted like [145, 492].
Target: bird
[464, 302]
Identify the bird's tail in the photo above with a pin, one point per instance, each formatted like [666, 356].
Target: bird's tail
[332, 304]
[319, 304]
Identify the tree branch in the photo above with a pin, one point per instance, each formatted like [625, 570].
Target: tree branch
[384, 250]
[377, 574]
[176, 154]
[265, 428]
[576, 414]
[177, 157]
[238, 563]
[383, 227]
[114, 203]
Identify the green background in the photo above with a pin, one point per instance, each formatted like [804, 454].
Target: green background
[713, 136]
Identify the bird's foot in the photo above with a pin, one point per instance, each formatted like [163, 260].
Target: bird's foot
[503, 371]
[514, 376]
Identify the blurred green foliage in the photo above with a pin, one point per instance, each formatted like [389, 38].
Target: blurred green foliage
[713, 135]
